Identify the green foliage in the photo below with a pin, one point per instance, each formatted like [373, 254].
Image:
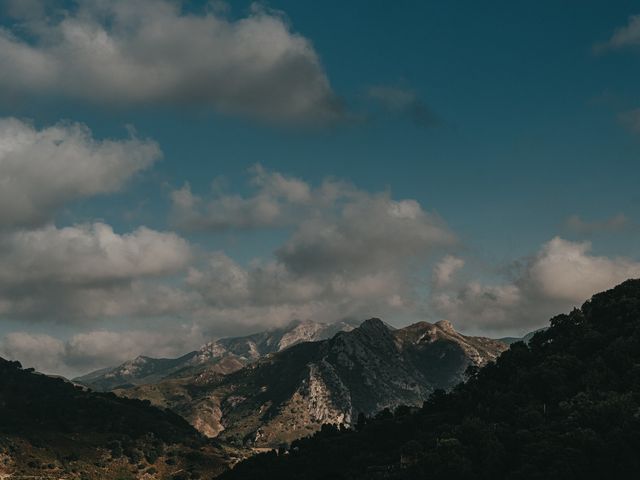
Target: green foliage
[564, 406]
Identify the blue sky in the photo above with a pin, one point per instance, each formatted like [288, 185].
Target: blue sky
[510, 125]
[527, 113]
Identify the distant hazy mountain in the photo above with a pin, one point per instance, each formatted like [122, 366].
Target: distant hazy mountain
[138, 371]
[290, 394]
[220, 356]
[50, 428]
[525, 338]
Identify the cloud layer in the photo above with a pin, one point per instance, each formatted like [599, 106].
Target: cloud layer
[94, 349]
[277, 201]
[347, 253]
[85, 271]
[41, 170]
[151, 51]
[560, 276]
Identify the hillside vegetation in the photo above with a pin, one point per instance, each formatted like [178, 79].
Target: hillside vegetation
[290, 394]
[51, 428]
[564, 406]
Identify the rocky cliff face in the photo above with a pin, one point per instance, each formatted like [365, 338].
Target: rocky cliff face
[291, 393]
[221, 356]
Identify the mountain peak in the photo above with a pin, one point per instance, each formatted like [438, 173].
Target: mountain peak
[446, 325]
[374, 324]
[220, 356]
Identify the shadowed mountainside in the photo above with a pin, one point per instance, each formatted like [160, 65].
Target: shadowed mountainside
[51, 428]
[564, 406]
[291, 394]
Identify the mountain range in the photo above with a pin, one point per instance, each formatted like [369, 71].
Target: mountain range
[291, 393]
[221, 356]
[565, 405]
[370, 403]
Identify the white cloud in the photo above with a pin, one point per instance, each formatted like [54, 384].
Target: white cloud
[368, 233]
[338, 227]
[560, 276]
[351, 253]
[566, 271]
[87, 270]
[445, 269]
[95, 349]
[268, 294]
[627, 36]
[277, 185]
[88, 254]
[143, 51]
[40, 351]
[224, 212]
[276, 202]
[474, 307]
[41, 170]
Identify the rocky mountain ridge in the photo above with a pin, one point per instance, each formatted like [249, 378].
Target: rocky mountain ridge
[564, 405]
[221, 356]
[292, 393]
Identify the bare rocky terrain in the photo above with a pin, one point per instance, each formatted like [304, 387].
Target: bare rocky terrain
[291, 393]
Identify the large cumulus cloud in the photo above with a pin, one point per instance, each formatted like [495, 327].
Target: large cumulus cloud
[349, 252]
[346, 253]
[153, 51]
[43, 169]
[561, 275]
[87, 271]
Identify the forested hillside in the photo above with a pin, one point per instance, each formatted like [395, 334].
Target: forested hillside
[50, 428]
[566, 405]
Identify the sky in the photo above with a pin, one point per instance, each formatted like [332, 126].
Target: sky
[176, 171]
